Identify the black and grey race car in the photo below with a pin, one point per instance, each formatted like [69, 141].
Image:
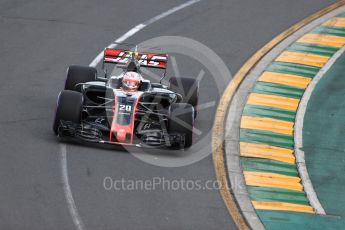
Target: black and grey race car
[98, 109]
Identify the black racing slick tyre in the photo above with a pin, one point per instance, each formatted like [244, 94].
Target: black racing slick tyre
[79, 74]
[188, 88]
[69, 108]
[181, 121]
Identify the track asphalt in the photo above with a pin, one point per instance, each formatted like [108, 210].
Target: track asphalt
[40, 39]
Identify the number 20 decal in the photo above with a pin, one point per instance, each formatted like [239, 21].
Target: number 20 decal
[127, 108]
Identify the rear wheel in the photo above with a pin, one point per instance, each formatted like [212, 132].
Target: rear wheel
[181, 121]
[69, 108]
[79, 74]
[188, 88]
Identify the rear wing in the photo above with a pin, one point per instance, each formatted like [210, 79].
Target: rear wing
[151, 60]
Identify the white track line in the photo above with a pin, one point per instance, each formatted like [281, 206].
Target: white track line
[67, 189]
[141, 26]
[300, 157]
[63, 151]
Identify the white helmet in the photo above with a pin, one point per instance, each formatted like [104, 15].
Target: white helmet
[131, 81]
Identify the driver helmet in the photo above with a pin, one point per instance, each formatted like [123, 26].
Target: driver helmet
[131, 81]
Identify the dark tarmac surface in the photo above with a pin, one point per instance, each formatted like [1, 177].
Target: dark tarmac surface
[40, 39]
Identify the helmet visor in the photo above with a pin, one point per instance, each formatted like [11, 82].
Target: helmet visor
[131, 84]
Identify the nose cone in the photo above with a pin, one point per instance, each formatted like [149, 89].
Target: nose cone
[121, 135]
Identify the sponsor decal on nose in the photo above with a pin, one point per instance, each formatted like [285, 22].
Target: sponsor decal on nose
[121, 135]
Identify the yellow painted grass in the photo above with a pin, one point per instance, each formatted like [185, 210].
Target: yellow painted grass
[267, 124]
[273, 180]
[282, 206]
[285, 79]
[322, 39]
[267, 152]
[273, 101]
[335, 22]
[303, 58]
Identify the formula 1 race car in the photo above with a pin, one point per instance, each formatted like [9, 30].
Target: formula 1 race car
[127, 109]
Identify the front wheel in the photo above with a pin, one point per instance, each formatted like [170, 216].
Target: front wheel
[77, 75]
[188, 88]
[181, 121]
[69, 108]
